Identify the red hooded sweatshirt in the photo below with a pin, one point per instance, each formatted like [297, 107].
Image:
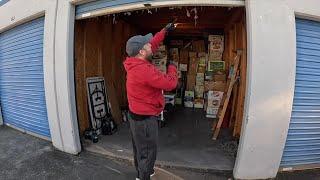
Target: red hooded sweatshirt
[145, 82]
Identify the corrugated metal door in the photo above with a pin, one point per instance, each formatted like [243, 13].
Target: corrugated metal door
[303, 141]
[22, 94]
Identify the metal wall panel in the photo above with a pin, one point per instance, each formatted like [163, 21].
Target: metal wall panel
[303, 140]
[22, 95]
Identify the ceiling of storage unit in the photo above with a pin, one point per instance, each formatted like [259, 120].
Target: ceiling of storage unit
[207, 20]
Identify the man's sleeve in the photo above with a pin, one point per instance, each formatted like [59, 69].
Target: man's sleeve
[157, 79]
[157, 39]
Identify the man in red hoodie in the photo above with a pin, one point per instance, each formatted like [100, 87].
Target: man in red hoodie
[145, 84]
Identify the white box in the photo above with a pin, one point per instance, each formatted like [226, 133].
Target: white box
[188, 98]
[183, 67]
[214, 99]
[169, 99]
[212, 111]
[198, 103]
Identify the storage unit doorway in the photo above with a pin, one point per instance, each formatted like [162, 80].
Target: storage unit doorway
[185, 138]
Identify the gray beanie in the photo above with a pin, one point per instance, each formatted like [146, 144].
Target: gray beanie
[136, 43]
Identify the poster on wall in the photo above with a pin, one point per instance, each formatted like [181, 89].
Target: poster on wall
[97, 101]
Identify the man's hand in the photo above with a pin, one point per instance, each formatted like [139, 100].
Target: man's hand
[170, 27]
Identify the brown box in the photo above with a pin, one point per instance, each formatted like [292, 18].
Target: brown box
[184, 57]
[201, 69]
[220, 77]
[215, 56]
[214, 86]
[198, 103]
[199, 90]
[193, 64]
[192, 54]
[216, 46]
[200, 79]
[198, 46]
[191, 82]
[216, 38]
[174, 54]
[202, 54]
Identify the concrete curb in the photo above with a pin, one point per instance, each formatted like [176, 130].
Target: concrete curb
[161, 164]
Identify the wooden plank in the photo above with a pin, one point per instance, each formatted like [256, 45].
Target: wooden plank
[233, 108]
[225, 104]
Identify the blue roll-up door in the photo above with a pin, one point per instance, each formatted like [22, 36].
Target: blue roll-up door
[22, 95]
[303, 141]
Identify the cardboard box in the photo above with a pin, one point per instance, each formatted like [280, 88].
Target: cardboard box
[200, 79]
[193, 64]
[199, 91]
[216, 38]
[214, 86]
[193, 55]
[183, 67]
[203, 61]
[198, 46]
[214, 99]
[201, 69]
[216, 46]
[202, 54]
[215, 56]
[212, 112]
[178, 101]
[216, 66]
[208, 75]
[179, 74]
[193, 67]
[169, 99]
[191, 82]
[174, 54]
[199, 103]
[188, 99]
[184, 57]
[220, 77]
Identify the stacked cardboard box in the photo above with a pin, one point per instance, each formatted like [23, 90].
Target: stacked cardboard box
[159, 59]
[174, 55]
[198, 46]
[215, 77]
[216, 47]
[189, 99]
[184, 59]
[214, 101]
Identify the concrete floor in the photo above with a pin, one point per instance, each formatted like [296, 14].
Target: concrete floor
[24, 157]
[184, 142]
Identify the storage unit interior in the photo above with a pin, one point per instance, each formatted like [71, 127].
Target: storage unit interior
[185, 138]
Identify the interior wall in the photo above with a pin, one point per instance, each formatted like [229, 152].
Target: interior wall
[100, 51]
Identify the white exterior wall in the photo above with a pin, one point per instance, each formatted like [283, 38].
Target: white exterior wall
[15, 12]
[271, 79]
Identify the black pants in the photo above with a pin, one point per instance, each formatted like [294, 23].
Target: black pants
[144, 141]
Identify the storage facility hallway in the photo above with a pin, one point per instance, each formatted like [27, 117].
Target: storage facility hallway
[203, 46]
